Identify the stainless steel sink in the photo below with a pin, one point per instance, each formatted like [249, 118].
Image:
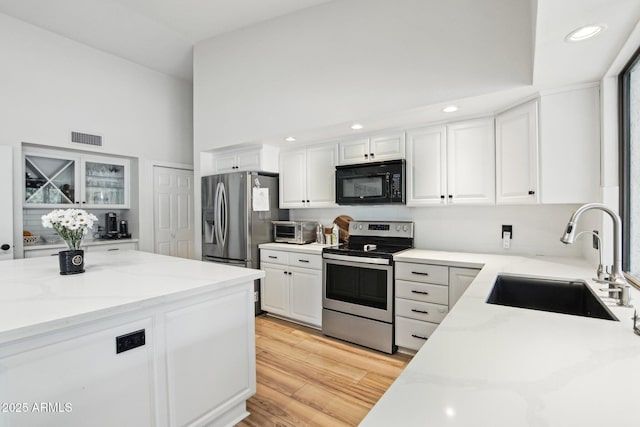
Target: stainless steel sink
[557, 296]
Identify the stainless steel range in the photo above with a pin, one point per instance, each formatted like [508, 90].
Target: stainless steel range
[357, 283]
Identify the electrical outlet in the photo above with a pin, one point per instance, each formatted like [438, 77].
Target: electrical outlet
[507, 235]
[255, 296]
[596, 240]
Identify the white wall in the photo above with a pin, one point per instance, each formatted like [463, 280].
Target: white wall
[352, 59]
[50, 85]
[536, 229]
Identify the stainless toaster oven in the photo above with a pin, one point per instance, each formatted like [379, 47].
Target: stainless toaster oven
[297, 232]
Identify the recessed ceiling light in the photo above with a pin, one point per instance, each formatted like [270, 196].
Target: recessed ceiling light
[356, 126]
[289, 139]
[585, 32]
[450, 109]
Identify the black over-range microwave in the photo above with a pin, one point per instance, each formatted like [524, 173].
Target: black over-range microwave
[371, 183]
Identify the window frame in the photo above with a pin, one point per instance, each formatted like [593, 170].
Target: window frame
[624, 154]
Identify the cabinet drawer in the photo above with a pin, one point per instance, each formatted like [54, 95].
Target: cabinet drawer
[411, 333]
[426, 273]
[112, 247]
[42, 252]
[421, 310]
[274, 257]
[305, 260]
[427, 292]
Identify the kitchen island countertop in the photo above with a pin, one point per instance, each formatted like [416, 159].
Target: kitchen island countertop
[491, 365]
[35, 298]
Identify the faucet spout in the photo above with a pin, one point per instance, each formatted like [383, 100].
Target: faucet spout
[617, 276]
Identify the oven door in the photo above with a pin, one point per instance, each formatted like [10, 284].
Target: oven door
[358, 288]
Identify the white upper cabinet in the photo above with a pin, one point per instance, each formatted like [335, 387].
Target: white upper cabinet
[471, 162]
[321, 172]
[60, 180]
[517, 155]
[452, 164]
[307, 177]
[260, 158]
[354, 151]
[293, 179]
[427, 166]
[570, 146]
[375, 149]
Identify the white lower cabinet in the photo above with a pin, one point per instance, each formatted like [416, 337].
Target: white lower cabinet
[292, 286]
[84, 378]
[195, 366]
[459, 281]
[424, 295]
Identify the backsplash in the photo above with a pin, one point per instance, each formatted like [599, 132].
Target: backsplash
[536, 228]
[32, 220]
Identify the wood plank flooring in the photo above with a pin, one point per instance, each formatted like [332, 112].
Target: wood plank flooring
[307, 379]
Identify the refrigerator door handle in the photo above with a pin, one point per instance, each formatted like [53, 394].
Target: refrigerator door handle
[224, 212]
[216, 214]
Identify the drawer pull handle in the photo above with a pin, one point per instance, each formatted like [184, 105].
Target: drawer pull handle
[419, 311]
[303, 260]
[113, 249]
[273, 257]
[419, 337]
[413, 291]
[420, 273]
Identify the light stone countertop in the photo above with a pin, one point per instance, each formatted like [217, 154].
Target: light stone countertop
[35, 298]
[309, 248]
[491, 365]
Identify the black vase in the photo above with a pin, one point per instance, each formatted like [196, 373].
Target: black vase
[71, 262]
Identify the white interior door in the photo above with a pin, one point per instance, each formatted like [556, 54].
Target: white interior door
[173, 212]
[6, 211]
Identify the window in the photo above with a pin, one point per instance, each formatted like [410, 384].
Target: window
[630, 164]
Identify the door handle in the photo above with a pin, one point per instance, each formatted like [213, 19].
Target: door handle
[216, 214]
[225, 213]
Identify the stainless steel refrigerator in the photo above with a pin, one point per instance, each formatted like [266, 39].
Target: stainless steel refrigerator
[237, 210]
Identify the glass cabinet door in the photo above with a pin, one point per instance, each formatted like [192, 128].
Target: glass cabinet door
[105, 183]
[49, 180]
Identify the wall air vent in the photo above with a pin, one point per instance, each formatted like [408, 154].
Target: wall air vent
[85, 138]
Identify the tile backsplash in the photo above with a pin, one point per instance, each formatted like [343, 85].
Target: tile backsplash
[32, 220]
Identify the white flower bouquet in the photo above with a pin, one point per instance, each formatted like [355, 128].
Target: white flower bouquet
[70, 224]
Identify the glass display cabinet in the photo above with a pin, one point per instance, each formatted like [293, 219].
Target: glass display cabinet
[55, 180]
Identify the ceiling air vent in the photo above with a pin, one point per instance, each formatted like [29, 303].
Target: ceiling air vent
[85, 138]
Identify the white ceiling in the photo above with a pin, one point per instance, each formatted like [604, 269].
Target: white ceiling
[159, 34]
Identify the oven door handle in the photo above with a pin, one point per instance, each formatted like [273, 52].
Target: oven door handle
[357, 259]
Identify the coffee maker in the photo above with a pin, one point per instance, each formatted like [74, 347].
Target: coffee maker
[111, 224]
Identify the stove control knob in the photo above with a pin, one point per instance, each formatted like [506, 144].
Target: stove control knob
[360, 227]
[404, 228]
[397, 228]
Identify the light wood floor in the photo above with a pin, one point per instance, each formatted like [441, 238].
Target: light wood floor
[307, 379]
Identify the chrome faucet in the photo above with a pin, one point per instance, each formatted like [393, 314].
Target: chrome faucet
[616, 280]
